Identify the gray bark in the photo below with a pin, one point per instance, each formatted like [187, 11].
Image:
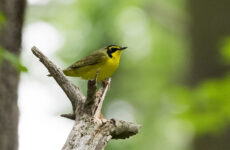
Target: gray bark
[10, 40]
[89, 132]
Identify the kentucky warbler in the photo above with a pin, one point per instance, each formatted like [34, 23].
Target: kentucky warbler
[104, 62]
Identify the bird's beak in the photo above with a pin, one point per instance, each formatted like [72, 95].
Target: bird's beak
[123, 48]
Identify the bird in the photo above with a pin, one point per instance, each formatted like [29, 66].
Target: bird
[103, 62]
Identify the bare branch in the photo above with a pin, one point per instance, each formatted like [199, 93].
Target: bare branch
[91, 91]
[73, 92]
[122, 130]
[88, 135]
[69, 116]
[100, 98]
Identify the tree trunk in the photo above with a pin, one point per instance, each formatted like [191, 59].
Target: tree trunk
[10, 40]
[210, 23]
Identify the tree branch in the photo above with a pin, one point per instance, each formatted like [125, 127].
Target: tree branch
[91, 95]
[100, 98]
[73, 92]
[122, 129]
[88, 133]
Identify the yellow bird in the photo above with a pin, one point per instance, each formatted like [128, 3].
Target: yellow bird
[104, 62]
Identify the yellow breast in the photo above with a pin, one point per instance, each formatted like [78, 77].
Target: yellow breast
[105, 69]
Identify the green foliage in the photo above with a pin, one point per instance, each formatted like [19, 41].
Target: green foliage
[4, 54]
[225, 49]
[206, 106]
[2, 19]
[12, 58]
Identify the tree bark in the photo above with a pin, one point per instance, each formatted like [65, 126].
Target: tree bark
[89, 132]
[210, 23]
[10, 40]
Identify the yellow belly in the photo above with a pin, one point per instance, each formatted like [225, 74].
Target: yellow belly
[105, 70]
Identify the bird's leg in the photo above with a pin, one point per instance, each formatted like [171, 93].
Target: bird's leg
[96, 74]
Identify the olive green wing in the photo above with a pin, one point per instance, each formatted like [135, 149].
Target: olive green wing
[93, 59]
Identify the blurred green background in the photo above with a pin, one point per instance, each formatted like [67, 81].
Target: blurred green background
[173, 79]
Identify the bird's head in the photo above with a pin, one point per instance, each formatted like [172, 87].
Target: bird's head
[114, 50]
